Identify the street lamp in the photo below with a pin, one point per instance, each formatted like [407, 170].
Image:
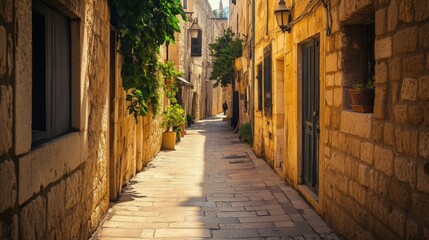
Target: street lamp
[194, 29]
[283, 16]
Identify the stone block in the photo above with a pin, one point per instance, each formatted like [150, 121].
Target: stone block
[399, 193]
[339, 79]
[405, 170]
[380, 21]
[7, 185]
[395, 69]
[338, 97]
[401, 113]
[412, 230]
[420, 203]
[383, 160]
[377, 131]
[392, 15]
[394, 92]
[424, 145]
[383, 48]
[426, 114]
[357, 124]
[5, 118]
[423, 89]
[380, 102]
[409, 89]
[406, 11]
[381, 72]
[3, 48]
[56, 203]
[406, 141]
[421, 9]
[74, 190]
[415, 114]
[404, 41]
[367, 152]
[424, 36]
[414, 65]
[397, 222]
[389, 134]
[330, 80]
[423, 177]
[336, 115]
[364, 174]
[329, 97]
[331, 62]
[330, 43]
[32, 219]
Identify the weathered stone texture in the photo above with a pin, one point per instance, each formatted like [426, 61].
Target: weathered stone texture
[409, 89]
[3, 47]
[413, 65]
[383, 160]
[424, 145]
[5, 118]
[73, 194]
[403, 42]
[423, 177]
[392, 15]
[8, 185]
[383, 48]
[356, 124]
[406, 141]
[423, 91]
[367, 152]
[32, 219]
[56, 203]
[405, 170]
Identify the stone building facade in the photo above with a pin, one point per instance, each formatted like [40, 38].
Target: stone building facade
[56, 182]
[366, 173]
[240, 21]
[203, 100]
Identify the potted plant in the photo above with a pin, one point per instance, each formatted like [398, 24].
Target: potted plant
[189, 119]
[362, 97]
[173, 117]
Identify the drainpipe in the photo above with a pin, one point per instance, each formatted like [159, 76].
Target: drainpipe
[252, 102]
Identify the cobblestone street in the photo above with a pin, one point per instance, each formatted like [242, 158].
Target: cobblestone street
[211, 186]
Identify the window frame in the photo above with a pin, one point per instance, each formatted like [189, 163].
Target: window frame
[58, 75]
[196, 47]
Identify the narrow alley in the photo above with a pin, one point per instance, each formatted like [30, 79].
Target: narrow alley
[211, 186]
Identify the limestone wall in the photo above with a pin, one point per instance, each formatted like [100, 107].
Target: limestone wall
[60, 189]
[373, 167]
[203, 100]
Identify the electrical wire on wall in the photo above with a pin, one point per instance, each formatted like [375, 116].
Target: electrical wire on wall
[309, 9]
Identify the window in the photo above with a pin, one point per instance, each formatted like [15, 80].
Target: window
[259, 78]
[196, 45]
[51, 93]
[368, 55]
[185, 4]
[267, 81]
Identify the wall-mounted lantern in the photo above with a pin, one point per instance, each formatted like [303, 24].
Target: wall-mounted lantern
[196, 39]
[283, 16]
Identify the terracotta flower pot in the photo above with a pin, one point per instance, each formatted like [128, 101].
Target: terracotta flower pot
[169, 140]
[362, 100]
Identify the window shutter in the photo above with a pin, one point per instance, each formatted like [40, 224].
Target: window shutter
[267, 81]
[259, 77]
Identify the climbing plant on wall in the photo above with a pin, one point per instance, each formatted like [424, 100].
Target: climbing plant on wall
[225, 49]
[143, 26]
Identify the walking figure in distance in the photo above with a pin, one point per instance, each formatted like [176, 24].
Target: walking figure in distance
[224, 107]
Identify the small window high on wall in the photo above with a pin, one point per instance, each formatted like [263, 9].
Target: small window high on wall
[196, 45]
[51, 93]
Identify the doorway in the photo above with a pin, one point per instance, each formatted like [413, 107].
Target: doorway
[310, 114]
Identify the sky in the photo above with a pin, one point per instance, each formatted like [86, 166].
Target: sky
[215, 4]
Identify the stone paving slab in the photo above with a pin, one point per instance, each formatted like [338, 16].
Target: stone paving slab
[211, 187]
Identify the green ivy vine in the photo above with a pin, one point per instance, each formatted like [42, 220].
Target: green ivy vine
[143, 26]
[225, 49]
